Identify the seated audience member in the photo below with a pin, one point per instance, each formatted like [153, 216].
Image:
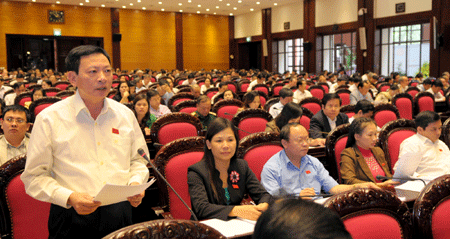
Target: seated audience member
[291, 171]
[228, 95]
[373, 81]
[139, 85]
[18, 88]
[286, 96]
[3, 88]
[426, 84]
[147, 81]
[423, 154]
[435, 89]
[340, 81]
[403, 84]
[328, 118]
[46, 84]
[164, 90]
[190, 80]
[37, 93]
[15, 124]
[292, 82]
[203, 112]
[362, 93]
[299, 219]
[353, 84]
[301, 92]
[362, 109]
[418, 78]
[251, 101]
[218, 182]
[445, 83]
[260, 79]
[156, 108]
[291, 113]
[141, 110]
[123, 93]
[20, 78]
[206, 86]
[195, 90]
[223, 86]
[172, 88]
[361, 161]
[386, 96]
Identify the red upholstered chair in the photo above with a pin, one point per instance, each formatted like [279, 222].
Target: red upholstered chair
[342, 87]
[385, 113]
[22, 98]
[112, 93]
[334, 145]
[344, 94]
[392, 135]
[372, 213]
[179, 80]
[62, 85]
[227, 108]
[325, 86]
[180, 87]
[211, 92]
[166, 228]
[257, 148]
[317, 91]
[311, 103]
[175, 126]
[349, 110]
[445, 133]
[271, 102]
[431, 210]
[187, 106]
[414, 84]
[384, 87]
[424, 101]
[115, 83]
[173, 161]
[305, 120]
[243, 85]
[220, 97]
[276, 89]
[52, 91]
[40, 104]
[21, 215]
[233, 87]
[65, 93]
[404, 104]
[261, 87]
[413, 91]
[251, 120]
[179, 97]
[263, 98]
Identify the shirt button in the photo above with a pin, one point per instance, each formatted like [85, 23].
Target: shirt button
[98, 143]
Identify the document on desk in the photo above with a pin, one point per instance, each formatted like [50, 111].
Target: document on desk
[111, 194]
[233, 228]
[415, 186]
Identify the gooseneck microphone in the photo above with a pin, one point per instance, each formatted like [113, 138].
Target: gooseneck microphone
[379, 177]
[144, 155]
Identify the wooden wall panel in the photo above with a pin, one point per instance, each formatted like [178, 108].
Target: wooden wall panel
[32, 19]
[205, 42]
[148, 40]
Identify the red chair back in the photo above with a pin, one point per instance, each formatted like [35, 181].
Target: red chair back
[62, 86]
[51, 93]
[262, 100]
[232, 87]
[305, 121]
[384, 88]
[227, 111]
[276, 90]
[339, 147]
[439, 220]
[179, 100]
[361, 226]
[251, 125]
[244, 87]
[176, 130]
[40, 108]
[29, 216]
[188, 110]
[414, 84]
[313, 107]
[350, 114]
[383, 117]
[211, 94]
[263, 89]
[426, 103]
[413, 93]
[24, 100]
[394, 141]
[176, 175]
[318, 93]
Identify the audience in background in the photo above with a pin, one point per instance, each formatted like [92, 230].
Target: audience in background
[362, 109]
[141, 110]
[286, 96]
[328, 118]
[435, 90]
[16, 121]
[301, 92]
[206, 86]
[362, 93]
[123, 94]
[18, 88]
[37, 93]
[164, 90]
[386, 96]
[251, 100]
[203, 112]
[156, 108]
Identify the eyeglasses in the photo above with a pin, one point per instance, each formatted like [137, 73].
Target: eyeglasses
[17, 120]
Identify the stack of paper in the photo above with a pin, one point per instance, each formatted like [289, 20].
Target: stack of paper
[232, 228]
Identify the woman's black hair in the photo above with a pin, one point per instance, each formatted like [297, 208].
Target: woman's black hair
[144, 120]
[290, 111]
[357, 127]
[37, 89]
[118, 88]
[214, 128]
[299, 219]
[249, 98]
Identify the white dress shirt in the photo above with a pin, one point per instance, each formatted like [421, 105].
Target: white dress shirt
[7, 151]
[161, 111]
[3, 89]
[420, 155]
[70, 152]
[299, 96]
[9, 98]
[438, 97]
[276, 109]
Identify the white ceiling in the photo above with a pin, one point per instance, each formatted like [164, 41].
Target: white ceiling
[219, 7]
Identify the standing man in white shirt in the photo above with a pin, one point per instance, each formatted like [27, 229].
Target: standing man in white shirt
[80, 144]
[424, 154]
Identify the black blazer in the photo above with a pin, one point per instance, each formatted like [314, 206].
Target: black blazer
[205, 206]
[319, 123]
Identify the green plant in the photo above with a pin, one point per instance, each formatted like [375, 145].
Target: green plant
[425, 69]
[350, 58]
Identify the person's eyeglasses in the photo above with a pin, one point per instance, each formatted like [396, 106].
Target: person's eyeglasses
[18, 120]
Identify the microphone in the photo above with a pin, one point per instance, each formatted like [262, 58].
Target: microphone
[379, 177]
[144, 155]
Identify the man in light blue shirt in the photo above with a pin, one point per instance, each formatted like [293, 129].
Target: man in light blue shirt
[291, 171]
[361, 94]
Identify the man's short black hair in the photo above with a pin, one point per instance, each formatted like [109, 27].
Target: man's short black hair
[284, 92]
[74, 57]
[424, 118]
[162, 82]
[17, 85]
[437, 83]
[190, 76]
[223, 83]
[300, 82]
[341, 79]
[361, 83]
[19, 76]
[365, 106]
[330, 96]
[394, 87]
[355, 79]
[15, 108]
[286, 131]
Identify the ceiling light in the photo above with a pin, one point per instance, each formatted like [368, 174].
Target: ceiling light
[143, 8]
[257, 2]
[228, 4]
[214, 13]
[220, 0]
[251, 9]
[207, 9]
[103, 5]
[235, 8]
[87, 0]
[159, 2]
[81, 4]
[239, 1]
[217, 6]
[198, 11]
[179, 4]
[33, 0]
[275, 4]
[189, 1]
[162, 10]
[231, 14]
[131, 4]
[199, 5]
[139, 0]
[124, 6]
[58, 2]
[181, 10]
